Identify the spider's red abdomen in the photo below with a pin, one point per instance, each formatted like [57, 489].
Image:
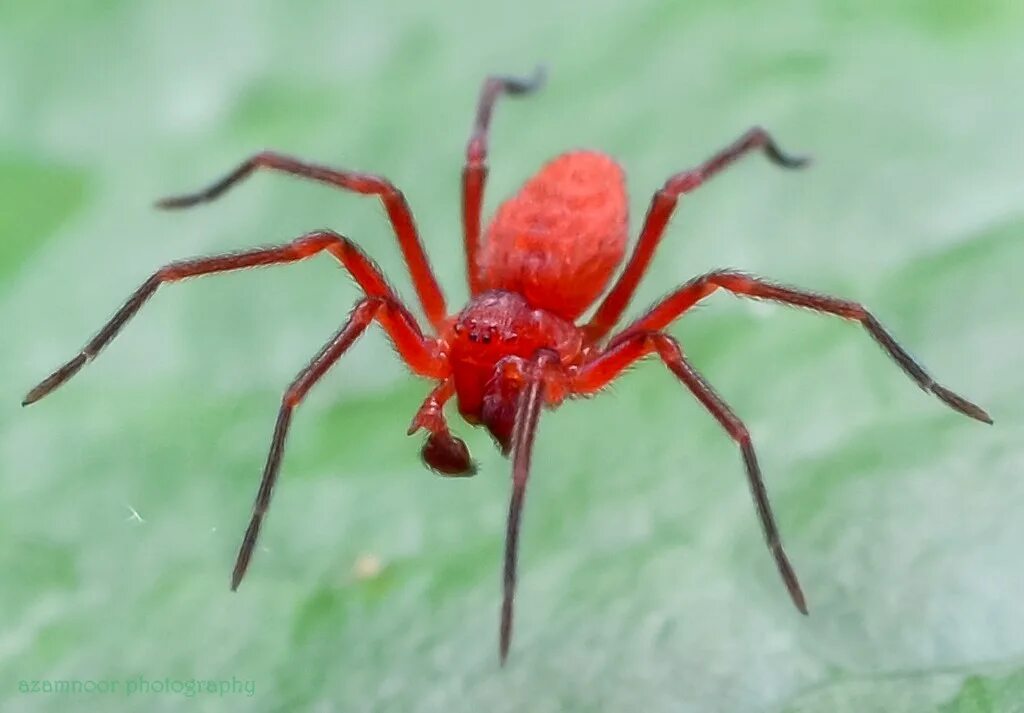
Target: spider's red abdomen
[558, 240]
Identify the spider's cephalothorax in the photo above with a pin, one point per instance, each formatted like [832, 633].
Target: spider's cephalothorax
[548, 255]
[493, 335]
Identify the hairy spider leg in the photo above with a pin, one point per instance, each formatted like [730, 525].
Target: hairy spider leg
[416, 350]
[474, 173]
[381, 303]
[662, 207]
[743, 285]
[533, 374]
[397, 208]
[388, 313]
[606, 366]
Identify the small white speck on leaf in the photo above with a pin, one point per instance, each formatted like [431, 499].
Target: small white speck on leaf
[367, 566]
[134, 516]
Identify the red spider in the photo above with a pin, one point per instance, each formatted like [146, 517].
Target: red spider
[547, 255]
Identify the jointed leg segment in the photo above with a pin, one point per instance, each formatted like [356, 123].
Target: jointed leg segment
[415, 349]
[357, 323]
[666, 311]
[474, 174]
[662, 207]
[601, 371]
[399, 213]
[528, 410]
[380, 303]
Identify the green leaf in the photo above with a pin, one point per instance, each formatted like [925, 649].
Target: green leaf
[645, 583]
[39, 198]
[981, 694]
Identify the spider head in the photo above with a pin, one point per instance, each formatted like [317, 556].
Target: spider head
[490, 327]
[486, 347]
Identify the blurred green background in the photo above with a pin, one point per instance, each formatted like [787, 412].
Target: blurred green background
[645, 582]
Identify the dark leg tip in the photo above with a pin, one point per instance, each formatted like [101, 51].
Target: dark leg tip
[796, 593]
[960, 404]
[176, 202]
[39, 391]
[786, 160]
[505, 631]
[54, 380]
[527, 85]
[798, 161]
[758, 136]
[801, 603]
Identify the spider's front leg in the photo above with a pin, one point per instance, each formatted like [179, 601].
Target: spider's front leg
[443, 453]
[419, 352]
[537, 382]
[409, 338]
[393, 318]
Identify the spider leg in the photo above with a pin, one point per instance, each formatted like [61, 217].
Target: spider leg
[662, 207]
[418, 351]
[474, 173]
[676, 303]
[442, 452]
[363, 314]
[397, 208]
[527, 417]
[605, 367]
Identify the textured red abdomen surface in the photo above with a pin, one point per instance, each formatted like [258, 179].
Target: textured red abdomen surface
[558, 240]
